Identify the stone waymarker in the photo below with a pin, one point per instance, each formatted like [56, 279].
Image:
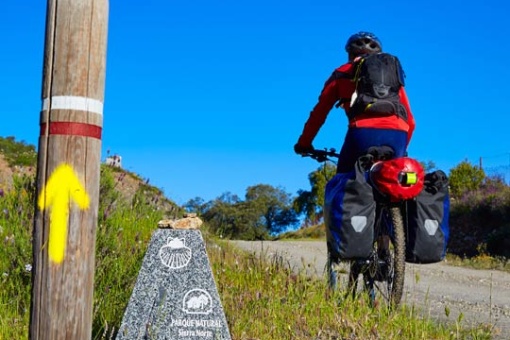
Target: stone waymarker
[175, 296]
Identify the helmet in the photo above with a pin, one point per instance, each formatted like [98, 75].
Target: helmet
[363, 43]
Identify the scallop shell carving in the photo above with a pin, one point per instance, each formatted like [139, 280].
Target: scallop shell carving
[175, 254]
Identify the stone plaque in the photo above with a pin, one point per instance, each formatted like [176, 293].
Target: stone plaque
[175, 295]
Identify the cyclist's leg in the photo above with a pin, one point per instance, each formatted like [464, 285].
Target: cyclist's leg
[358, 140]
[349, 152]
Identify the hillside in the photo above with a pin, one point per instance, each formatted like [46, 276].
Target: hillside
[7, 172]
[128, 184]
[20, 159]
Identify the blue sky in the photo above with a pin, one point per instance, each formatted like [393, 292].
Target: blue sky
[206, 97]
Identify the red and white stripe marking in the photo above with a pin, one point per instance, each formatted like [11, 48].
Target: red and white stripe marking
[74, 103]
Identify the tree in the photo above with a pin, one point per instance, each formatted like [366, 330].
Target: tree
[229, 198]
[428, 166]
[226, 219]
[265, 210]
[305, 203]
[273, 205]
[230, 217]
[465, 177]
[196, 205]
[311, 202]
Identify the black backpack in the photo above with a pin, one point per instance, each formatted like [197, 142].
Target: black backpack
[378, 79]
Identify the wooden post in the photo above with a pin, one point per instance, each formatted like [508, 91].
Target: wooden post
[68, 169]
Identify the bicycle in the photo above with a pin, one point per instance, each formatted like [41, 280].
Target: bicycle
[383, 270]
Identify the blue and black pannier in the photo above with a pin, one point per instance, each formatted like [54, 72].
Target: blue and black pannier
[428, 214]
[349, 215]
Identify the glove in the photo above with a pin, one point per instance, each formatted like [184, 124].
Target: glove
[302, 149]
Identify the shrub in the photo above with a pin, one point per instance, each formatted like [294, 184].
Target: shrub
[477, 215]
[465, 178]
[498, 242]
[18, 153]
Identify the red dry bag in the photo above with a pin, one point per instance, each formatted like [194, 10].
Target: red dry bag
[398, 178]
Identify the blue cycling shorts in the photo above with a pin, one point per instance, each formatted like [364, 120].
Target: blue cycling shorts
[359, 140]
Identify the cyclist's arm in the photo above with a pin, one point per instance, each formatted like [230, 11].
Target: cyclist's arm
[339, 86]
[318, 115]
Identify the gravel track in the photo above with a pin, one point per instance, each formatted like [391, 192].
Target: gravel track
[481, 296]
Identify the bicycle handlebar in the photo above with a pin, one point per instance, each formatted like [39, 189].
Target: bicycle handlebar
[373, 154]
[322, 155]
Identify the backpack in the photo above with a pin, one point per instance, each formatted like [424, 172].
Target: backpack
[349, 214]
[428, 227]
[378, 79]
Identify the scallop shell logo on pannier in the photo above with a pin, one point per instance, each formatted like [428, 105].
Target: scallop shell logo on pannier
[175, 254]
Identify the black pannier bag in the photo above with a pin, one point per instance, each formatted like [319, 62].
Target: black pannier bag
[349, 215]
[428, 227]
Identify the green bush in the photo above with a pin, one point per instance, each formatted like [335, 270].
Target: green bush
[498, 242]
[477, 216]
[18, 153]
[465, 178]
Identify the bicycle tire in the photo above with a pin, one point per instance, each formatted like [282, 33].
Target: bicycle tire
[399, 249]
[386, 284]
[389, 289]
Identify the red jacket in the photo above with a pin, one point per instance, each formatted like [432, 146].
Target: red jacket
[340, 87]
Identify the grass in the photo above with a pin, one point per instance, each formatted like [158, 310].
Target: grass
[312, 232]
[265, 300]
[481, 261]
[123, 232]
[262, 298]
[15, 258]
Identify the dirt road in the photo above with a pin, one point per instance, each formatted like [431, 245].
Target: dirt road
[481, 296]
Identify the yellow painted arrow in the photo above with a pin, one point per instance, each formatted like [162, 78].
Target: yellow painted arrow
[62, 186]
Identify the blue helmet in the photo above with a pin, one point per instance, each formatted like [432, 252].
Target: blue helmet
[363, 43]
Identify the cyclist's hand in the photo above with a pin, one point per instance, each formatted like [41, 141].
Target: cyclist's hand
[302, 149]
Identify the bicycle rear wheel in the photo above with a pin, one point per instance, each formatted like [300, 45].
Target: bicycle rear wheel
[399, 253]
[384, 271]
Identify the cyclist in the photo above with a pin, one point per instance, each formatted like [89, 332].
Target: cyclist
[365, 129]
